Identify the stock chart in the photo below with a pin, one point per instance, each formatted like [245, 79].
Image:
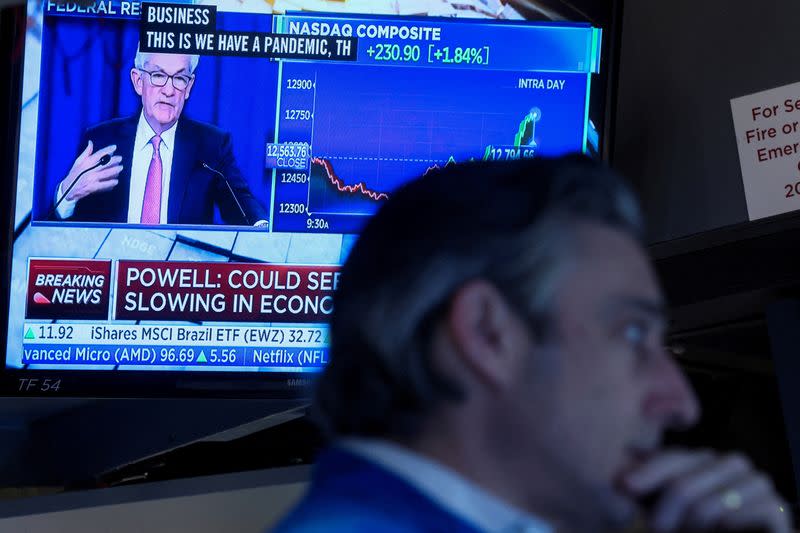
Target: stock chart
[350, 134]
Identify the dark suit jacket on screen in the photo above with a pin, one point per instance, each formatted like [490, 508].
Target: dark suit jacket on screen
[194, 190]
[353, 495]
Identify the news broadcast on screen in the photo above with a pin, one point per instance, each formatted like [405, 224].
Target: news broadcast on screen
[191, 175]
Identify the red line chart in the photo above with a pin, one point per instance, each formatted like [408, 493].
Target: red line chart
[336, 181]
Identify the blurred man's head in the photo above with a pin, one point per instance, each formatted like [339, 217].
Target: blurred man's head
[164, 81]
[509, 309]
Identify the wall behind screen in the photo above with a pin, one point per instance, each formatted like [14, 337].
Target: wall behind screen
[680, 64]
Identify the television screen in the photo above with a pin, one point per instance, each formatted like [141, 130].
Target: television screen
[191, 175]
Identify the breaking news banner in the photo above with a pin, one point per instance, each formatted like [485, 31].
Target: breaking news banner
[68, 289]
[235, 292]
[190, 29]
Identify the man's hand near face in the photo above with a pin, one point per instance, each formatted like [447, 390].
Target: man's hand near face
[102, 178]
[705, 491]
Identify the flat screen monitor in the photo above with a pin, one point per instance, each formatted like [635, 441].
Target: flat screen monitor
[190, 176]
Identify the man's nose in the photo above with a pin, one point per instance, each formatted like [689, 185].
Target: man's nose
[671, 399]
[169, 88]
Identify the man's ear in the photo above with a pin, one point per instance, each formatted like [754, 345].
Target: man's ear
[136, 80]
[486, 333]
[188, 88]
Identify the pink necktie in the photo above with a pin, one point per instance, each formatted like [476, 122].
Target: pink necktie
[151, 207]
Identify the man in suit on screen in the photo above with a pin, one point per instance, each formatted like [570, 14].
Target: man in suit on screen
[498, 365]
[163, 168]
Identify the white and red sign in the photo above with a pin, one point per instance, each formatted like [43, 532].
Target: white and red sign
[767, 128]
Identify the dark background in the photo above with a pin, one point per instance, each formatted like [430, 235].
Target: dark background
[681, 62]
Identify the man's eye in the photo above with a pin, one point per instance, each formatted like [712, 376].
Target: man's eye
[635, 333]
[159, 77]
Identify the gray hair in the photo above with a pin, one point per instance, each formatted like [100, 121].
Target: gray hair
[512, 224]
[142, 57]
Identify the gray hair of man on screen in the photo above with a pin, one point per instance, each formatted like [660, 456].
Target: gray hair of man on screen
[515, 225]
[141, 58]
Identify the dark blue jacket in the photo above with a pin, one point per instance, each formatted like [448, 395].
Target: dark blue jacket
[351, 494]
[193, 191]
